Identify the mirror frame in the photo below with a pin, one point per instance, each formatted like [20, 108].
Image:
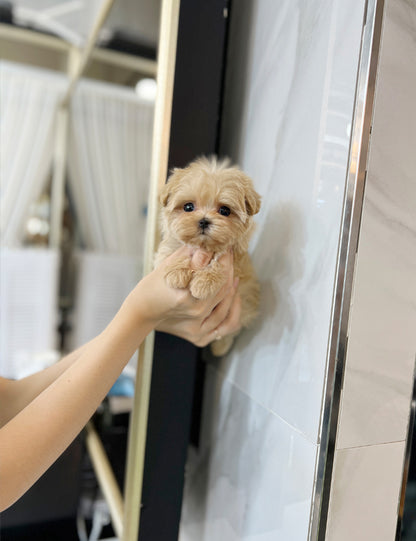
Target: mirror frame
[171, 383]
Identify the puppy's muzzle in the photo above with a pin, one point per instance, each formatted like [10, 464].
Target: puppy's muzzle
[204, 224]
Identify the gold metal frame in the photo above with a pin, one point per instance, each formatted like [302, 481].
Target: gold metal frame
[159, 167]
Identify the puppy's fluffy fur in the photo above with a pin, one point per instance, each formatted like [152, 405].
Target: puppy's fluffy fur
[210, 205]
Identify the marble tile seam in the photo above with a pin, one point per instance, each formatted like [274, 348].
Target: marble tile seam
[264, 407]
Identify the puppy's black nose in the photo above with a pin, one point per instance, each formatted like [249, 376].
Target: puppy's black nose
[204, 223]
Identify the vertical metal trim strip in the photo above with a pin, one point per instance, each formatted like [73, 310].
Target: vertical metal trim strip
[347, 248]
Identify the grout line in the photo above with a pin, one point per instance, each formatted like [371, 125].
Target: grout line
[231, 382]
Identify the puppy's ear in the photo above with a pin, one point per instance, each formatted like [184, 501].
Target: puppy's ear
[253, 201]
[252, 198]
[169, 187]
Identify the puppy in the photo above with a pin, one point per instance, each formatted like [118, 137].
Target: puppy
[210, 205]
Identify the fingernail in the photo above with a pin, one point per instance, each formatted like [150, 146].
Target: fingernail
[201, 258]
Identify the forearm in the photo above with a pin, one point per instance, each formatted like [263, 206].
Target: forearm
[56, 408]
[21, 392]
[35, 438]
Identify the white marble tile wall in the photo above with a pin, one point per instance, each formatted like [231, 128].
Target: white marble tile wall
[297, 108]
[291, 78]
[253, 477]
[378, 380]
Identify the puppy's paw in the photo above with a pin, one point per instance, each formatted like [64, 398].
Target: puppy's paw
[222, 346]
[205, 284]
[178, 278]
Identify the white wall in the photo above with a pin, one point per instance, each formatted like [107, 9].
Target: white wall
[291, 79]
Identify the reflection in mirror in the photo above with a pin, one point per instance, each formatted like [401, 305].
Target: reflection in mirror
[72, 248]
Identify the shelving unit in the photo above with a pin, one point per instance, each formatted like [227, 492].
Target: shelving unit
[51, 52]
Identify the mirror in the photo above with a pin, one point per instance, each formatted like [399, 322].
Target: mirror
[77, 181]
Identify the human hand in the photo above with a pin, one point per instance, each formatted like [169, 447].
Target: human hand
[224, 319]
[177, 312]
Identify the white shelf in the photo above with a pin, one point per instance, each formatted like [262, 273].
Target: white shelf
[31, 47]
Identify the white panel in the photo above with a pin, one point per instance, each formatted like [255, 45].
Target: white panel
[291, 94]
[103, 282]
[252, 479]
[28, 310]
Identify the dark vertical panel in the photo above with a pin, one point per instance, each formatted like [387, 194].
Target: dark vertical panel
[198, 80]
[195, 121]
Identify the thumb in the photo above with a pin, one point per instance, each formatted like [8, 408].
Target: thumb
[200, 259]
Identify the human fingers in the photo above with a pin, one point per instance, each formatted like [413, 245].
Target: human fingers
[226, 262]
[232, 323]
[202, 308]
[183, 252]
[200, 259]
[220, 312]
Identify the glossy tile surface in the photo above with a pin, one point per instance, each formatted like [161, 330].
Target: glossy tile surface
[382, 344]
[288, 109]
[365, 493]
[253, 477]
[290, 93]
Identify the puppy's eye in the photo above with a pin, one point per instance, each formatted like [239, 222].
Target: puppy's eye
[224, 211]
[188, 207]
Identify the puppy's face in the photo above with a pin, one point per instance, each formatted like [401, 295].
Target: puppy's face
[209, 205]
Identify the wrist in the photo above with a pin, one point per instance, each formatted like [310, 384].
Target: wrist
[126, 331]
[140, 304]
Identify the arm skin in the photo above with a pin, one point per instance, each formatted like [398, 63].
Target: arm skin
[43, 413]
[15, 395]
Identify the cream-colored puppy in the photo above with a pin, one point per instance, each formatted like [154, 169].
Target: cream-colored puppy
[210, 205]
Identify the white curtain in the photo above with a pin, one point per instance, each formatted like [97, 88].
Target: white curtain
[29, 98]
[28, 103]
[109, 166]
